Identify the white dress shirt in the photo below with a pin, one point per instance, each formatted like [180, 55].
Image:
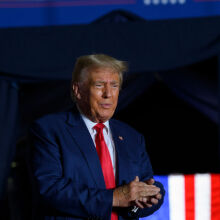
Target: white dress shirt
[107, 136]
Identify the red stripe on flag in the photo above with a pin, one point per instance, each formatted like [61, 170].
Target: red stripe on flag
[215, 196]
[189, 197]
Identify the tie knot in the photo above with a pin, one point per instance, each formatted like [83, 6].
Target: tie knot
[99, 127]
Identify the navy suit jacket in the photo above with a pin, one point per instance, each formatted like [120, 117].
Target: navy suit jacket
[66, 171]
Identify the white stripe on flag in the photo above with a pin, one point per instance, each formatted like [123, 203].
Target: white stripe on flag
[176, 197]
[202, 197]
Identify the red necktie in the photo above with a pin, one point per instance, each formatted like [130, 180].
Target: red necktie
[105, 160]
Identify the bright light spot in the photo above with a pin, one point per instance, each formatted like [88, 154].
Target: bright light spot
[173, 1]
[156, 2]
[182, 1]
[164, 2]
[147, 2]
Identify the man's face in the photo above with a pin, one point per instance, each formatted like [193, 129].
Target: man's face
[97, 95]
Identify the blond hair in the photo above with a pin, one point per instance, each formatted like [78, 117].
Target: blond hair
[96, 61]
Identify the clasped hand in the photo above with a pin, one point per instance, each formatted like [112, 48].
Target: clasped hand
[141, 194]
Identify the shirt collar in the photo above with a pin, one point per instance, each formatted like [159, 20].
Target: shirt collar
[90, 124]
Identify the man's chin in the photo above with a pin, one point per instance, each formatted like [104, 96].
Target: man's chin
[104, 117]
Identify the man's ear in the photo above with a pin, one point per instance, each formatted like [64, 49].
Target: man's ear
[76, 90]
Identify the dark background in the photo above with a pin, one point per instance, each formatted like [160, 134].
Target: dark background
[179, 139]
[170, 93]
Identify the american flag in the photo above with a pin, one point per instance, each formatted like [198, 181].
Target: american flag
[189, 197]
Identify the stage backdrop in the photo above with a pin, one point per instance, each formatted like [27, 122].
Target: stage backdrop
[15, 13]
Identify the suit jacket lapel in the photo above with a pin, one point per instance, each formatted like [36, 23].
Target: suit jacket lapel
[120, 154]
[82, 137]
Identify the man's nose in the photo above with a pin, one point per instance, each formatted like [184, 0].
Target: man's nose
[107, 91]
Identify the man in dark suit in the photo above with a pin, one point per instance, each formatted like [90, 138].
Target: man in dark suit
[86, 165]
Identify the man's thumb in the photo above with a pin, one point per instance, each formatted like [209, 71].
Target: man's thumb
[150, 181]
[136, 179]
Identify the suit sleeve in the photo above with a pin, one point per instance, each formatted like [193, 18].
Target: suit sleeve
[57, 192]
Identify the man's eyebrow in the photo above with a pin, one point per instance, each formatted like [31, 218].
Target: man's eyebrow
[99, 81]
[102, 81]
[114, 82]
